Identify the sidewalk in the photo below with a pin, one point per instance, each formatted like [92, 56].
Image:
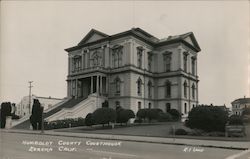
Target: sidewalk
[174, 141]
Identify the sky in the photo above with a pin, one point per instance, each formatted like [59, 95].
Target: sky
[34, 34]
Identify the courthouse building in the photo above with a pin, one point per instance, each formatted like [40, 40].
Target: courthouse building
[135, 70]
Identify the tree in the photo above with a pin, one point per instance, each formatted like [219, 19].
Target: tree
[246, 111]
[89, 121]
[36, 116]
[175, 114]
[104, 116]
[207, 118]
[5, 111]
[246, 115]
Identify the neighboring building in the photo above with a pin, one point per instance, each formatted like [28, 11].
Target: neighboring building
[135, 70]
[22, 108]
[239, 104]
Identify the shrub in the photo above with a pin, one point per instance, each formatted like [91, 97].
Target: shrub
[89, 121]
[235, 120]
[65, 123]
[175, 114]
[207, 118]
[150, 114]
[142, 114]
[104, 115]
[164, 117]
[153, 114]
[123, 115]
[181, 132]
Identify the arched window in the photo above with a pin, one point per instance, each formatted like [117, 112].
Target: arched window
[117, 86]
[168, 89]
[185, 89]
[149, 89]
[139, 85]
[193, 91]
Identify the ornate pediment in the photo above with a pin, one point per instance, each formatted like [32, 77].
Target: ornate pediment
[92, 36]
[190, 39]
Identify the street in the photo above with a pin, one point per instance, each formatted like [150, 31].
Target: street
[34, 146]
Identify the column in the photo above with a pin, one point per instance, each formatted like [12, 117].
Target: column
[106, 85]
[71, 88]
[83, 63]
[91, 83]
[69, 64]
[76, 90]
[101, 92]
[97, 85]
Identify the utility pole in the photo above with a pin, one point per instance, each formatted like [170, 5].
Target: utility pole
[30, 86]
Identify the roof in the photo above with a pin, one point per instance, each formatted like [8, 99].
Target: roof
[95, 36]
[242, 100]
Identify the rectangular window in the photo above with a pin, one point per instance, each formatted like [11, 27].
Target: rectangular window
[117, 104]
[77, 63]
[168, 89]
[117, 56]
[168, 107]
[139, 57]
[185, 61]
[139, 105]
[193, 66]
[150, 61]
[120, 58]
[185, 108]
[149, 105]
[167, 61]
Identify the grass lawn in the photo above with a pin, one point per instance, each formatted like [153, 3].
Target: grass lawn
[152, 130]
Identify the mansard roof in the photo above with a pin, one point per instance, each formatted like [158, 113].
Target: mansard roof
[95, 36]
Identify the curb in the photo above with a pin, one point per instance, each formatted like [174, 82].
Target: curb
[116, 137]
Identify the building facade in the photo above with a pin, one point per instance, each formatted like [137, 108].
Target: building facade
[135, 70]
[238, 105]
[24, 109]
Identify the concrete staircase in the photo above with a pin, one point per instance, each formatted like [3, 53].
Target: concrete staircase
[69, 108]
[80, 109]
